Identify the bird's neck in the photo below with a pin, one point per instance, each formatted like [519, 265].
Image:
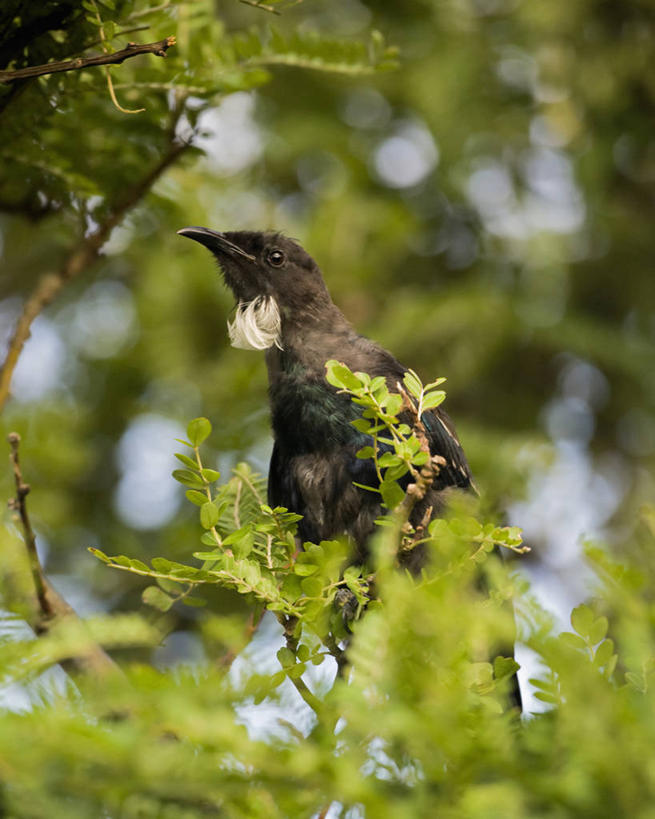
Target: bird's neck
[309, 340]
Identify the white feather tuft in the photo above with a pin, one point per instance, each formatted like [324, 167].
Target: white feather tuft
[257, 325]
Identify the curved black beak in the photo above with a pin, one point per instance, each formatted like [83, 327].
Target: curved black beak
[215, 241]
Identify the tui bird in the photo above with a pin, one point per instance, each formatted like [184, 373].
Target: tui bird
[284, 308]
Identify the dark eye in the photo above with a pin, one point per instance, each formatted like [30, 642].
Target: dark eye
[276, 258]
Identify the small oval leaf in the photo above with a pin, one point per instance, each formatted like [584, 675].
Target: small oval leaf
[208, 515]
[198, 430]
[155, 597]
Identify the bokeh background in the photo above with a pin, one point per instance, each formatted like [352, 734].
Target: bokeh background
[484, 208]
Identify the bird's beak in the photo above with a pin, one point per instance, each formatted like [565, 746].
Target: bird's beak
[215, 241]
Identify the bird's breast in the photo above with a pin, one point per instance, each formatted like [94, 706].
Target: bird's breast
[309, 416]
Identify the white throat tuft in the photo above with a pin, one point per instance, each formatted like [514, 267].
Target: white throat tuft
[257, 325]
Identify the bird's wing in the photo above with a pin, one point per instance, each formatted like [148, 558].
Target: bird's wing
[444, 441]
[282, 486]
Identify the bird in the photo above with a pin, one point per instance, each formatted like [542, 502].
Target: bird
[284, 308]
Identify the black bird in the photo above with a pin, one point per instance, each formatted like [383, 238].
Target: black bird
[285, 309]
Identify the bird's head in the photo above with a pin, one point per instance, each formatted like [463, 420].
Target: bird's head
[273, 280]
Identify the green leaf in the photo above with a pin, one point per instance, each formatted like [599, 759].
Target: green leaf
[208, 515]
[388, 459]
[366, 452]
[155, 597]
[99, 554]
[291, 587]
[194, 602]
[210, 475]
[161, 564]
[241, 541]
[505, 667]
[412, 383]
[361, 424]
[467, 527]
[394, 473]
[311, 586]
[340, 376]
[433, 399]
[217, 554]
[121, 560]
[604, 653]
[296, 671]
[198, 430]
[187, 461]
[573, 641]
[546, 697]
[305, 569]
[598, 630]
[364, 486]
[392, 494]
[276, 679]
[394, 403]
[199, 498]
[582, 618]
[169, 586]
[286, 657]
[187, 478]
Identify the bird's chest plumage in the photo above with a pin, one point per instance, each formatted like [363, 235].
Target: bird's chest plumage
[308, 415]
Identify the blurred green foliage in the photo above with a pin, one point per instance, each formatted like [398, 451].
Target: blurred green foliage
[416, 721]
[478, 199]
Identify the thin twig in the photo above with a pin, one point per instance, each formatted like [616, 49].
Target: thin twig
[80, 258]
[131, 50]
[110, 84]
[252, 625]
[338, 653]
[252, 488]
[218, 540]
[19, 504]
[52, 608]
[237, 501]
[261, 6]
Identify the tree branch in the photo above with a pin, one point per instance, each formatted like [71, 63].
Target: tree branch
[423, 480]
[318, 707]
[80, 258]
[52, 608]
[131, 50]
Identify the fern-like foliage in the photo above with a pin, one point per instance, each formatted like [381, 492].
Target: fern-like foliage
[310, 50]
[240, 499]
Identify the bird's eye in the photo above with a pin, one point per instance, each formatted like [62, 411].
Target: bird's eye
[276, 258]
